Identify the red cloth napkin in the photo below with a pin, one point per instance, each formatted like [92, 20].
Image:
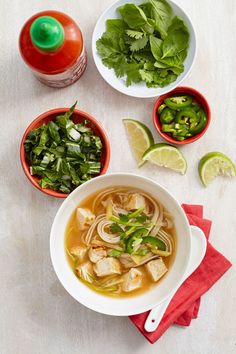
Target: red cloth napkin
[185, 304]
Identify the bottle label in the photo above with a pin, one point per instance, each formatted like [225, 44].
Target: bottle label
[67, 77]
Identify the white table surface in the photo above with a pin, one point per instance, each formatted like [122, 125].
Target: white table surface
[36, 314]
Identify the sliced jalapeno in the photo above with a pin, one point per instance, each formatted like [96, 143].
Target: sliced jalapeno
[196, 106]
[178, 102]
[183, 131]
[168, 128]
[178, 137]
[167, 115]
[154, 242]
[135, 236]
[201, 123]
[160, 109]
[187, 114]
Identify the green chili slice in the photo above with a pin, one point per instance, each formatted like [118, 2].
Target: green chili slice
[160, 108]
[129, 244]
[200, 125]
[178, 102]
[154, 242]
[167, 115]
[168, 128]
[184, 116]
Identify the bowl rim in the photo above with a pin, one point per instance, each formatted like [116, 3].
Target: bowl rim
[23, 158]
[184, 90]
[164, 90]
[57, 263]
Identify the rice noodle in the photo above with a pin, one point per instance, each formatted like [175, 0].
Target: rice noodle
[89, 235]
[100, 196]
[157, 214]
[117, 210]
[105, 236]
[159, 221]
[108, 245]
[167, 239]
[168, 223]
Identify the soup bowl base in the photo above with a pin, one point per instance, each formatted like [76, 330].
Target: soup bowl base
[120, 306]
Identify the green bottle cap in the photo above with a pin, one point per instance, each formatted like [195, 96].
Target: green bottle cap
[47, 33]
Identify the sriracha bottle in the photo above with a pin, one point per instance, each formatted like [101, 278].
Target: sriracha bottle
[51, 44]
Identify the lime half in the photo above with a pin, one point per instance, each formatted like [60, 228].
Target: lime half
[140, 138]
[215, 164]
[166, 155]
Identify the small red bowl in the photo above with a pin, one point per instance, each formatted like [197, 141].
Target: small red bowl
[186, 91]
[77, 117]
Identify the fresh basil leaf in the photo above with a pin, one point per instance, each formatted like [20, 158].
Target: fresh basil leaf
[147, 8]
[176, 24]
[117, 25]
[175, 42]
[156, 47]
[162, 14]
[175, 61]
[132, 15]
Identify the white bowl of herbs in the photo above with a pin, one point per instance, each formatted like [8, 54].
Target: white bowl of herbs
[144, 48]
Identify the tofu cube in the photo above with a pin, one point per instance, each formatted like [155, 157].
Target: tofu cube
[96, 253]
[78, 252]
[132, 280]
[136, 201]
[156, 269]
[107, 266]
[85, 271]
[84, 218]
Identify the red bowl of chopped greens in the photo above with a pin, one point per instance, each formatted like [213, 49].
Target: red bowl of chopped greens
[182, 116]
[62, 149]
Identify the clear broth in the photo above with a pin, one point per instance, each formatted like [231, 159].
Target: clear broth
[73, 238]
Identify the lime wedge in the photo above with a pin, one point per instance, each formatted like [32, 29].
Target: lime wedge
[215, 164]
[166, 155]
[140, 138]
